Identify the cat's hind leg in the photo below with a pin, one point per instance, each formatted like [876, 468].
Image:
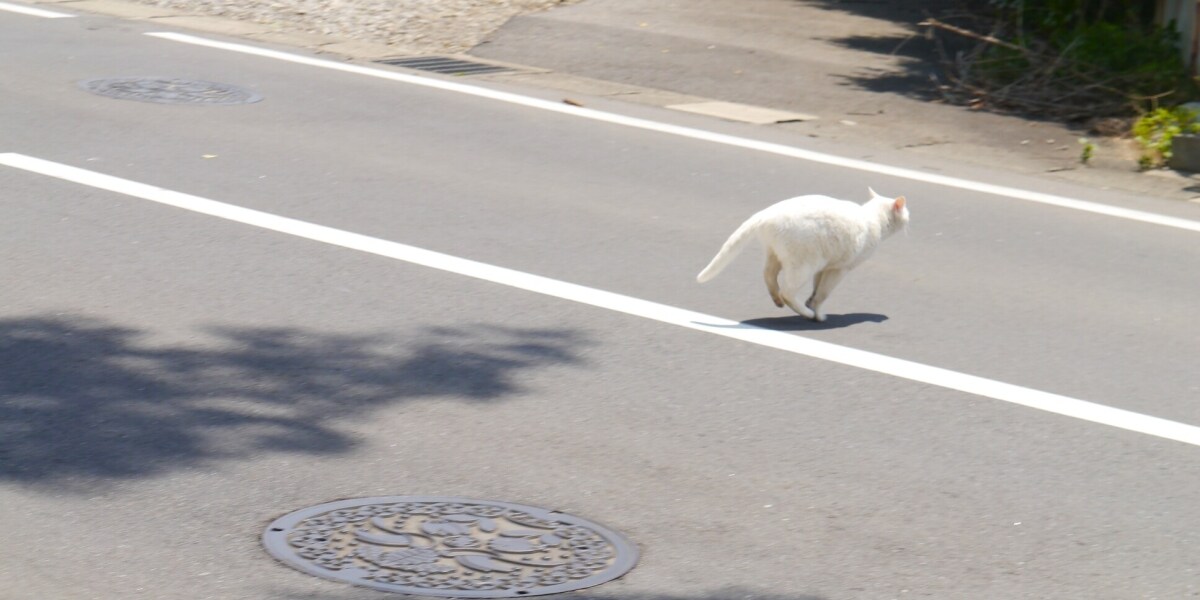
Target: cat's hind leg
[795, 279]
[771, 275]
[823, 284]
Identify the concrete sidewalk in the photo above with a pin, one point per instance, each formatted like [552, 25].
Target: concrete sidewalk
[862, 69]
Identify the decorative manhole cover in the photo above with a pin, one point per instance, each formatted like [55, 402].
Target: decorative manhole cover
[169, 91]
[451, 547]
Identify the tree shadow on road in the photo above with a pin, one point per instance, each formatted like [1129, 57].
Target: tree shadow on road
[918, 71]
[83, 400]
[901, 12]
[917, 76]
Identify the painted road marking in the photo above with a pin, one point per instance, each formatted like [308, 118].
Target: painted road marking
[1045, 401]
[36, 12]
[699, 134]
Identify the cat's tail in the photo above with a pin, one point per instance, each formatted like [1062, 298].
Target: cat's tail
[734, 245]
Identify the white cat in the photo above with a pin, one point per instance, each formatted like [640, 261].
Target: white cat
[814, 239]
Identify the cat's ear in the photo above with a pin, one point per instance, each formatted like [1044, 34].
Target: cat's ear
[898, 204]
[873, 194]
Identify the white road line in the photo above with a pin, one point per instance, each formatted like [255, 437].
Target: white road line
[699, 134]
[35, 12]
[1053, 403]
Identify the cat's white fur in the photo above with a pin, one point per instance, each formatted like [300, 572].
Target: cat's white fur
[812, 239]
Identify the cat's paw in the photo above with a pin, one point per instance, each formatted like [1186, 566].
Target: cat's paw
[816, 315]
[802, 310]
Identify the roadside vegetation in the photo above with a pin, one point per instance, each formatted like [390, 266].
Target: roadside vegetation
[1102, 63]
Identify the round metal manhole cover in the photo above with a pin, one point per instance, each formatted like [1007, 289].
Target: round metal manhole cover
[450, 547]
[163, 90]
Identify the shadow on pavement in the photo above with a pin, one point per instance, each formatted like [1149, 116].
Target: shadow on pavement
[798, 323]
[919, 72]
[899, 11]
[82, 400]
[919, 68]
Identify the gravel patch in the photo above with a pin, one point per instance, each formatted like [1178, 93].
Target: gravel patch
[414, 26]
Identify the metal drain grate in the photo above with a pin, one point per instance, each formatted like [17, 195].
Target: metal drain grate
[449, 547]
[444, 65]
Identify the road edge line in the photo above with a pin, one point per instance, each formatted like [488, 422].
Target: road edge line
[697, 134]
[670, 315]
[22, 9]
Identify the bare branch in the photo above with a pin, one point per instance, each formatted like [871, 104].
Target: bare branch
[971, 34]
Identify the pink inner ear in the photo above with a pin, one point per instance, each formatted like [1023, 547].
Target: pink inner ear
[899, 205]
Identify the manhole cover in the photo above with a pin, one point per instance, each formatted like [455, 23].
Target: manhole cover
[451, 547]
[169, 91]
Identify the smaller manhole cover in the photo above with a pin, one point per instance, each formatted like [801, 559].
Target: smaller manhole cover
[444, 65]
[163, 90]
[449, 547]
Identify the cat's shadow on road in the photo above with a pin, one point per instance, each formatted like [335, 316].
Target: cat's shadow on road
[799, 323]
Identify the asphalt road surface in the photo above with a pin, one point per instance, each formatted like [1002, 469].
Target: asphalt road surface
[175, 377]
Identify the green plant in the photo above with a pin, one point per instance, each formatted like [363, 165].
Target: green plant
[1089, 149]
[1155, 130]
[1070, 59]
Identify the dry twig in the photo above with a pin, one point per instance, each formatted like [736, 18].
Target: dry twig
[930, 22]
[1038, 80]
